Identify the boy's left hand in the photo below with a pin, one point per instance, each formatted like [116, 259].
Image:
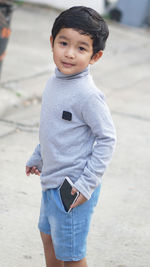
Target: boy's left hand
[80, 200]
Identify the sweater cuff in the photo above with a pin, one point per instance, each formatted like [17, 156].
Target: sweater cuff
[34, 162]
[82, 190]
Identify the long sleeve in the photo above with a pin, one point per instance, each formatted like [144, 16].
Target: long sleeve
[97, 116]
[36, 159]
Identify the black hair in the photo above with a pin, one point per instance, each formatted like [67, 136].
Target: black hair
[85, 20]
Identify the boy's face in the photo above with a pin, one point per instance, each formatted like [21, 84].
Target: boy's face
[72, 51]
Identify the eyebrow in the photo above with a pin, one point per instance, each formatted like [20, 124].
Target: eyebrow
[81, 43]
[63, 37]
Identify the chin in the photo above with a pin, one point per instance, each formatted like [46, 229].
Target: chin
[68, 71]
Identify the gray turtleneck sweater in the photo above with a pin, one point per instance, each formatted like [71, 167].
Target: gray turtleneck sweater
[77, 135]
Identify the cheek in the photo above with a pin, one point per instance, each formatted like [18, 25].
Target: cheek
[56, 55]
[85, 60]
[55, 58]
[56, 51]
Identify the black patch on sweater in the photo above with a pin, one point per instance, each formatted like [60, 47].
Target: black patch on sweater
[67, 115]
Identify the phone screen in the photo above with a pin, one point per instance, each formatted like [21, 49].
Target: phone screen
[66, 197]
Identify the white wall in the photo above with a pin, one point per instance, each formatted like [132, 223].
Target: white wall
[98, 5]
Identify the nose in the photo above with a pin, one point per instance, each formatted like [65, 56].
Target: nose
[70, 53]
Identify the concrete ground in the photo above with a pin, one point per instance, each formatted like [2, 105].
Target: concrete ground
[120, 230]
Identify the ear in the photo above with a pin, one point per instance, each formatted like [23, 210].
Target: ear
[96, 57]
[51, 41]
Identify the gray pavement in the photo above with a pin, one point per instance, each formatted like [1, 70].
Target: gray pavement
[120, 231]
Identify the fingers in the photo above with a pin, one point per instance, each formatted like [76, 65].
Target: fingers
[73, 191]
[32, 170]
[28, 170]
[37, 172]
[80, 200]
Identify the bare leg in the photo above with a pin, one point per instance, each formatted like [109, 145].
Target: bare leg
[50, 258]
[81, 263]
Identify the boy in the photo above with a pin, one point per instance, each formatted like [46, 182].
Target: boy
[77, 136]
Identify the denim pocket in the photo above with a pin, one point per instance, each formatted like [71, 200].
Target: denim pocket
[61, 205]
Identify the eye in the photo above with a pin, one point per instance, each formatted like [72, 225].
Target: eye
[63, 43]
[81, 48]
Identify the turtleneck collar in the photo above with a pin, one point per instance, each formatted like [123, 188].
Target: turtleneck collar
[60, 75]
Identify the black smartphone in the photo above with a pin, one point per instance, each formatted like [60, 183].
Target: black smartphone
[65, 193]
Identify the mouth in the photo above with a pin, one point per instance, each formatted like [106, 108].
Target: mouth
[67, 65]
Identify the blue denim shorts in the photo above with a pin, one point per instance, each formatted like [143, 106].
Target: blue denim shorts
[68, 230]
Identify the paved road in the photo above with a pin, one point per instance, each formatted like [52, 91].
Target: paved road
[120, 235]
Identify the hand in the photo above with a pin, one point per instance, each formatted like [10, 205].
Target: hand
[32, 170]
[80, 200]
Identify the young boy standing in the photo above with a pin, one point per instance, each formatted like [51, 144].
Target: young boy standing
[77, 136]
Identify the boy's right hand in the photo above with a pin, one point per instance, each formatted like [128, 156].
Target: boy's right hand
[32, 170]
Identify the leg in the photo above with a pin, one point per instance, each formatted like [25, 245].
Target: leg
[50, 258]
[81, 263]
